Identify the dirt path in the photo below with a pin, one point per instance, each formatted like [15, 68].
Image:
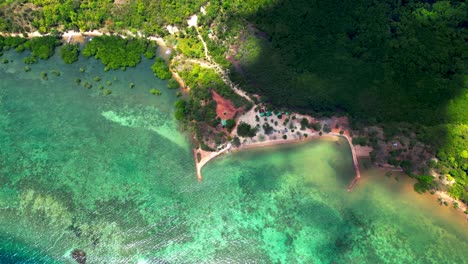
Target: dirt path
[219, 70]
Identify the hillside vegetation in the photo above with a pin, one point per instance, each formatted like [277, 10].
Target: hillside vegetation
[378, 61]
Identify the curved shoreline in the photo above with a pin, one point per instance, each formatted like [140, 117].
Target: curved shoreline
[204, 160]
[69, 35]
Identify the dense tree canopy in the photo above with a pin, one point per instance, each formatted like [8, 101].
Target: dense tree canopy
[116, 52]
[69, 53]
[386, 60]
[160, 69]
[245, 130]
[144, 15]
[43, 47]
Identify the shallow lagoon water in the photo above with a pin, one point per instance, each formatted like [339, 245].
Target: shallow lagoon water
[112, 175]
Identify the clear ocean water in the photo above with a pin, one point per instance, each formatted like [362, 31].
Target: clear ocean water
[113, 175]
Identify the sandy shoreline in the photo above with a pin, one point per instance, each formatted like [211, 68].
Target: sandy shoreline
[357, 151]
[208, 156]
[94, 33]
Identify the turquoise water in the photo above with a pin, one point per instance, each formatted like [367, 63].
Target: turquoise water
[112, 175]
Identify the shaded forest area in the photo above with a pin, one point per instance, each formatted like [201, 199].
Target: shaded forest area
[378, 61]
[386, 60]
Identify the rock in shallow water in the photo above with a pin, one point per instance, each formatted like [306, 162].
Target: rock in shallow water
[79, 256]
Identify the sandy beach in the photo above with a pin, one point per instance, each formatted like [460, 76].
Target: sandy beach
[262, 141]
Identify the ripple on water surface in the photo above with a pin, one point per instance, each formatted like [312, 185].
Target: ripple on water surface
[112, 175]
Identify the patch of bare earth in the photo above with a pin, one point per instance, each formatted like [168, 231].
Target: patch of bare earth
[120, 2]
[224, 108]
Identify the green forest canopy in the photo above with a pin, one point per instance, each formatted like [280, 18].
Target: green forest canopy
[160, 69]
[116, 52]
[378, 61]
[69, 53]
[144, 15]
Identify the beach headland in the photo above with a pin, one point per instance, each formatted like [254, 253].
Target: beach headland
[284, 133]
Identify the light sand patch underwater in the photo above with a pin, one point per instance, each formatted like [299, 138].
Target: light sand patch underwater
[148, 118]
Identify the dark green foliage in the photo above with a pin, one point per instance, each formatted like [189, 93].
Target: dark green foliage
[230, 124]
[56, 72]
[304, 123]
[326, 128]
[20, 48]
[12, 42]
[425, 182]
[155, 91]
[150, 51]
[267, 128]
[44, 76]
[172, 84]
[236, 141]
[180, 109]
[385, 60]
[69, 53]
[217, 51]
[30, 60]
[87, 85]
[42, 47]
[316, 126]
[245, 130]
[115, 52]
[160, 69]
[362, 141]
[407, 166]
[393, 161]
